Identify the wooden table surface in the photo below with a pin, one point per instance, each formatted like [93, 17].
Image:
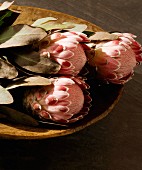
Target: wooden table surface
[114, 143]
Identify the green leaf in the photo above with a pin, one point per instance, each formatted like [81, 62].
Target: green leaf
[18, 117]
[26, 58]
[7, 16]
[20, 35]
[7, 70]
[29, 81]
[5, 96]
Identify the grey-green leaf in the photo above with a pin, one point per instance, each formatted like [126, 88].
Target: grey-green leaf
[50, 23]
[20, 35]
[5, 96]
[18, 117]
[29, 81]
[55, 26]
[76, 27]
[30, 60]
[6, 5]
[41, 21]
[7, 70]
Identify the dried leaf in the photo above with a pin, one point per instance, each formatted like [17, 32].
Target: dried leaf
[31, 61]
[7, 70]
[77, 27]
[20, 35]
[5, 96]
[17, 116]
[7, 16]
[101, 36]
[30, 81]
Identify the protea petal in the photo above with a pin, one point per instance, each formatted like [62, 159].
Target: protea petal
[64, 102]
[61, 88]
[65, 54]
[64, 63]
[60, 94]
[65, 81]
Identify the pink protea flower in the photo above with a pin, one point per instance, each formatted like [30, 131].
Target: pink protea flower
[128, 38]
[66, 49]
[63, 101]
[115, 60]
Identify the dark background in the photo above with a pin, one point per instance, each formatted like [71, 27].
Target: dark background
[114, 143]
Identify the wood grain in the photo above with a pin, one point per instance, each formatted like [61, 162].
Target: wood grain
[111, 93]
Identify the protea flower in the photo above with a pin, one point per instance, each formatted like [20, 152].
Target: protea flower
[115, 60]
[66, 49]
[63, 101]
[128, 38]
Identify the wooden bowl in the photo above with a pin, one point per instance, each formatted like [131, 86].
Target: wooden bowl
[104, 97]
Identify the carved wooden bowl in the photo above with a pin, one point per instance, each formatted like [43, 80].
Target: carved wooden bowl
[104, 97]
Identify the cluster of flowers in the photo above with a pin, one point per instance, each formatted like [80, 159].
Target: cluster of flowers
[64, 101]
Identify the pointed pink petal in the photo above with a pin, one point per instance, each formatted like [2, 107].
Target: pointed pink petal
[64, 81]
[129, 35]
[61, 117]
[57, 109]
[61, 88]
[110, 43]
[60, 95]
[65, 54]
[63, 63]
[67, 44]
[126, 40]
[63, 103]
[48, 99]
[55, 36]
[44, 114]
[52, 48]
